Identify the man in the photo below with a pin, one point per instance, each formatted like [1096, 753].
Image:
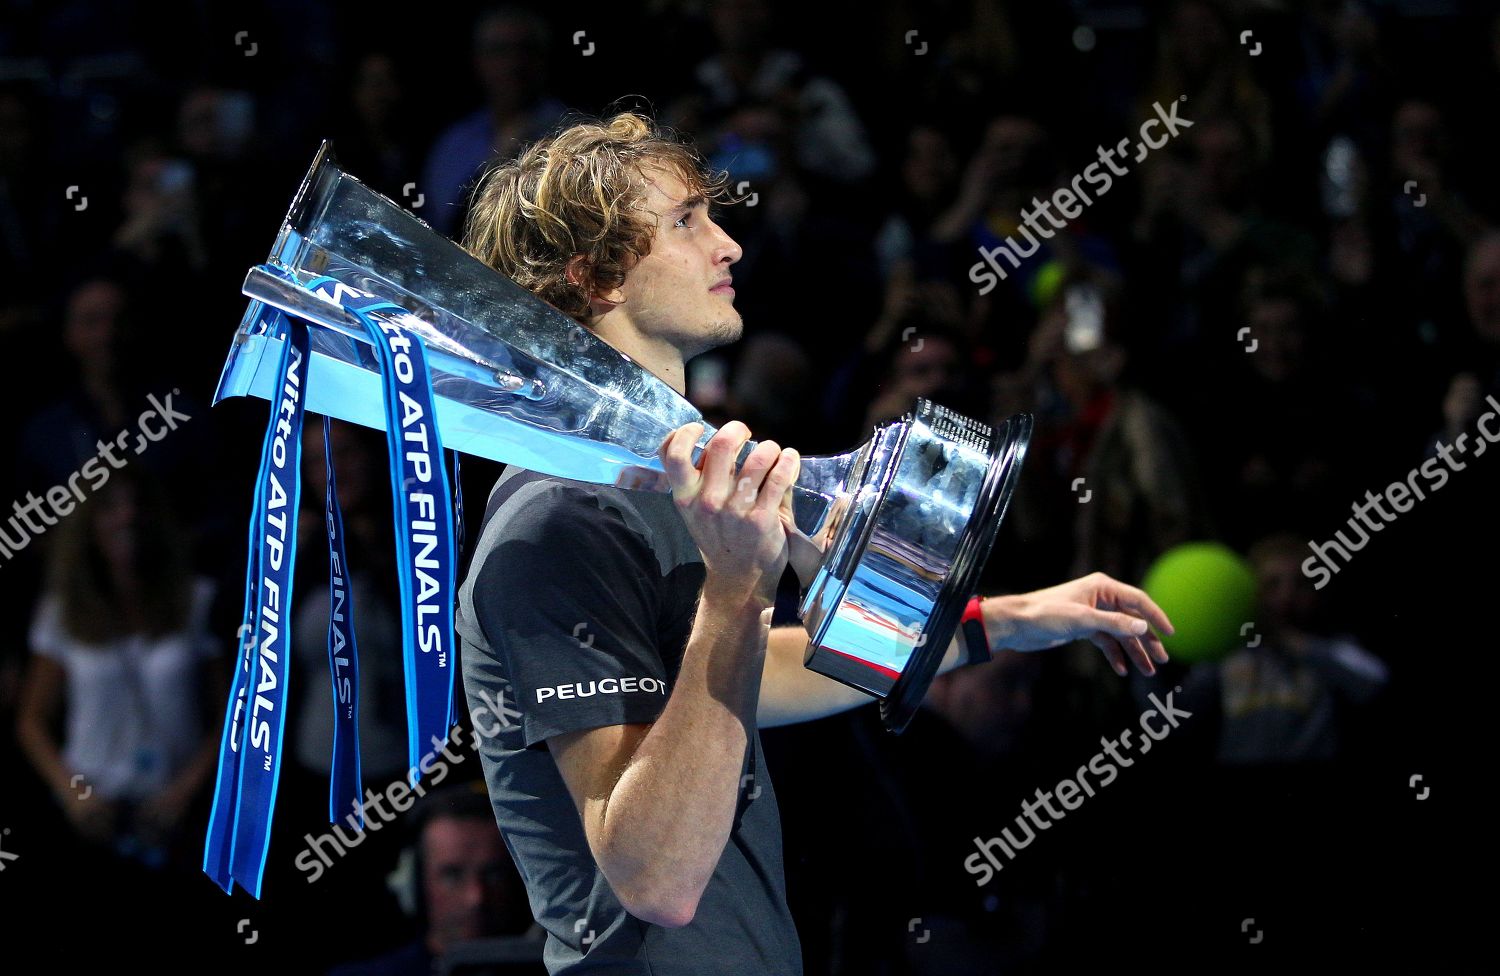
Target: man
[465, 887]
[631, 629]
[1292, 696]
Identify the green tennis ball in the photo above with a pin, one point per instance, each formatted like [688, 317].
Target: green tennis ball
[1207, 590]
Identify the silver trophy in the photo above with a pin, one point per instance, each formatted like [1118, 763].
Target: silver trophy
[914, 510]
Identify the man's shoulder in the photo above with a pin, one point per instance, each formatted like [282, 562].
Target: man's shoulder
[525, 498]
[541, 507]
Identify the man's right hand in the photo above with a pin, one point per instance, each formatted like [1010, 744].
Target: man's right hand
[733, 516]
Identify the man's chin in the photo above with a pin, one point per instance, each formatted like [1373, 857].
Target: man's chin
[721, 333]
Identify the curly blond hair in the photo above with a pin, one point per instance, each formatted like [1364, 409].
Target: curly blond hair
[578, 192]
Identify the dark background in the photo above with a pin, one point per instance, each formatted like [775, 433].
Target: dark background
[1371, 326]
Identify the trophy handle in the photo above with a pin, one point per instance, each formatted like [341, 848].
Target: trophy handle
[820, 484]
[819, 490]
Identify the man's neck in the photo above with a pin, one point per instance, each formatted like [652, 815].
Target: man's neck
[656, 356]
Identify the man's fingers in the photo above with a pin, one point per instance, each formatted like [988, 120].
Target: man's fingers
[1122, 649]
[1112, 651]
[718, 461]
[1136, 600]
[676, 459]
[1128, 630]
[1156, 647]
[1115, 622]
[1137, 653]
[1121, 597]
[780, 478]
[752, 474]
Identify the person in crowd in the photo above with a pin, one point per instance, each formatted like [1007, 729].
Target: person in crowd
[1292, 695]
[510, 57]
[462, 886]
[121, 651]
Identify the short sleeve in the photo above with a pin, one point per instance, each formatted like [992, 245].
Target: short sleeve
[568, 598]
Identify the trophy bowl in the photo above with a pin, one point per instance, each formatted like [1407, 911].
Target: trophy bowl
[928, 494]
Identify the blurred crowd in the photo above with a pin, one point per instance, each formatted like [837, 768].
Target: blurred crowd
[1285, 305]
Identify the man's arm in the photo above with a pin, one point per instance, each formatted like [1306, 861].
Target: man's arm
[1110, 614]
[657, 801]
[792, 692]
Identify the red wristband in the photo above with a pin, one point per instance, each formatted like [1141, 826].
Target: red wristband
[976, 642]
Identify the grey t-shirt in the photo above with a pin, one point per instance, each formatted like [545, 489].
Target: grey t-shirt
[577, 607]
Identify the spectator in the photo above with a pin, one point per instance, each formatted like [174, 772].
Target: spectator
[1146, 495]
[107, 385]
[375, 141]
[1203, 223]
[1197, 58]
[1290, 410]
[1343, 82]
[1476, 369]
[759, 109]
[510, 60]
[928, 179]
[120, 642]
[1288, 698]
[464, 886]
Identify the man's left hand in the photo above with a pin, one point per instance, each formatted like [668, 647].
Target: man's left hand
[1114, 617]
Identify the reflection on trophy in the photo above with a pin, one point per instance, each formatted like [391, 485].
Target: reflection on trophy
[912, 513]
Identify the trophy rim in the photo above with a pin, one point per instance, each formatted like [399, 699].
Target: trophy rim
[296, 211]
[1009, 443]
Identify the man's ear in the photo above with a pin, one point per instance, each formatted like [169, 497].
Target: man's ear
[574, 270]
[600, 304]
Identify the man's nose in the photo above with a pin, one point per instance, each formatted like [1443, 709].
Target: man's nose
[727, 247]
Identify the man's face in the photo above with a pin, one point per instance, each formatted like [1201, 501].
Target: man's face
[471, 888]
[680, 291]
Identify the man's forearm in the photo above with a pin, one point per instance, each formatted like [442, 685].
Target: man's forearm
[1015, 621]
[791, 692]
[669, 816]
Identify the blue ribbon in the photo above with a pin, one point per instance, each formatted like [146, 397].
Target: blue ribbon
[343, 655]
[251, 744]
[423, 517]
[250, 747]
